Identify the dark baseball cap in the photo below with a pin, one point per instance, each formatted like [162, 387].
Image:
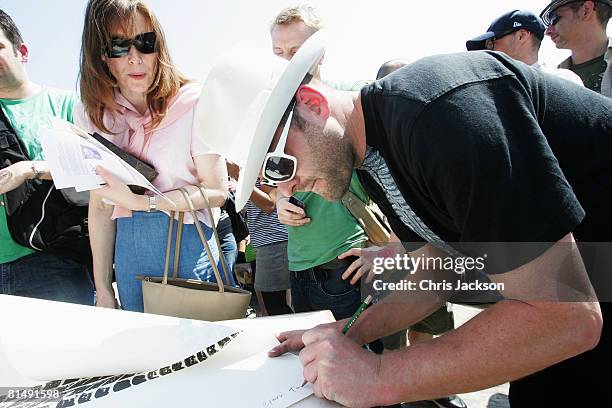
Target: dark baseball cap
[508, 23]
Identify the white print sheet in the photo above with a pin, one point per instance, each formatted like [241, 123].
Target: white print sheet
[73, 155]
[134, 359]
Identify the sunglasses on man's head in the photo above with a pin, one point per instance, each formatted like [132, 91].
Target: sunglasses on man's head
[120, 47]
[280, 167]
[550, 18]
[554, 18]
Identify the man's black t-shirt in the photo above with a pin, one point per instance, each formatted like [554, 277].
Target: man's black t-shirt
[475, 147]
[482, 148]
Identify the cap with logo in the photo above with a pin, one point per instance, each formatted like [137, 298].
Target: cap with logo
[506, 24]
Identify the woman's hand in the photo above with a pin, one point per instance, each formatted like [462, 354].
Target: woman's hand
[119, 193]
[106, 298]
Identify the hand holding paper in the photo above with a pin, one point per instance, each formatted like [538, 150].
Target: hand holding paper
[119, 193]
[73, 157]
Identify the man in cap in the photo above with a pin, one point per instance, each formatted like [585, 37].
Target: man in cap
[580, 26]
[519, 34]
[454, 149]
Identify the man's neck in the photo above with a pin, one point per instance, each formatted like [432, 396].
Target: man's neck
[530, 58]
[21, 90]
[589, 47]
[346, 109]
[354, 128]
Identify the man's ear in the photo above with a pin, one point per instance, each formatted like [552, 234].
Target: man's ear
[523, 35]
[314, 100]
[23, 51]
[588, 10]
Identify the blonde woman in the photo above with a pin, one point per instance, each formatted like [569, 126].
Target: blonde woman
[133, 95]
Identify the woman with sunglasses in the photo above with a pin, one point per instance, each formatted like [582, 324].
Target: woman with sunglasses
[133, 95]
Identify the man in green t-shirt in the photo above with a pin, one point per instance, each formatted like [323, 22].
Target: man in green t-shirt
[314, 243]
[580, 26]
[28, 107]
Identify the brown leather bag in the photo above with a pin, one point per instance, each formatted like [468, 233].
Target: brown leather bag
[189, 298]
[369, 217]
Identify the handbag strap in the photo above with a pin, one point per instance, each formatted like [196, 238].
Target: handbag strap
[177, 245]
[168, 248]
[198, 226]
[215, 233]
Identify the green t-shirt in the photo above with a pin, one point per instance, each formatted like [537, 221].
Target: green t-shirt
[27, 116]
[332, 230]
[591, 72]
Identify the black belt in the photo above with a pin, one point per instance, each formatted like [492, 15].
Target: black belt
[321, 272]
[317, 275]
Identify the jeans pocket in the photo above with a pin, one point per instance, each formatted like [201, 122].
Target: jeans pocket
[336, 286]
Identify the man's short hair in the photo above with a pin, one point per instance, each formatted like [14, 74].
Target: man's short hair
[602, 9]
[11, 32]
[390, 66]
[304, 13]
[536, 42]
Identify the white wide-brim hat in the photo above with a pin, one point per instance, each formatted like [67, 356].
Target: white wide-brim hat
[243, 100]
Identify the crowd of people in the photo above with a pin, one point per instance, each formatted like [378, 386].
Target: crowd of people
[487, 145]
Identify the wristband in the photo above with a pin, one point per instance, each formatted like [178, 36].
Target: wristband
[152, 204]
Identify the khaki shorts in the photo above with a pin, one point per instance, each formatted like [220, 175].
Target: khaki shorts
[440, 321]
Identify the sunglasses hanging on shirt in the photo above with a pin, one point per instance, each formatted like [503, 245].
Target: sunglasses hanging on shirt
[120, 47]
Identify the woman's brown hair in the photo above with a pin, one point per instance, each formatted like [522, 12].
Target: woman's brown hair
[96, 82]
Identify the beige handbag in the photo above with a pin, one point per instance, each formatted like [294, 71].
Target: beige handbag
[189, 298]
[369, 217]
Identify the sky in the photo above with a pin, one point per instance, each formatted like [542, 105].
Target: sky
[363, 34]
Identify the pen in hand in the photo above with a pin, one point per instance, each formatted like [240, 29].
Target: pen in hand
[359, 310]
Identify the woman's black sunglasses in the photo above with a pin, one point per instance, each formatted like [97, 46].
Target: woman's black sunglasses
[120, 47]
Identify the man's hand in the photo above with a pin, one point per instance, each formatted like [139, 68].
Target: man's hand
[339, 369]
[117, 192]
[290, 214]
[15, 175]
[290, 341]
[361, 266]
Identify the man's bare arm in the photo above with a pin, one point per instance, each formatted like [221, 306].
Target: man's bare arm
[505, 342]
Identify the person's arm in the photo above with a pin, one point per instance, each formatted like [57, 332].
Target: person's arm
[264, 198]
[212, 176]
[507, 341]
[503, 343]
[16, 174]
[102, 240]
